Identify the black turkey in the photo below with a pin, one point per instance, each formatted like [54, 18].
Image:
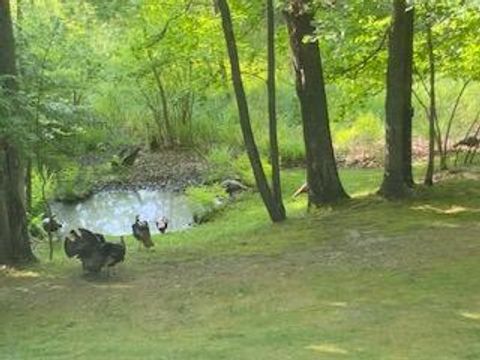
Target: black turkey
[469, 142]
[93, 250]
[141, 232]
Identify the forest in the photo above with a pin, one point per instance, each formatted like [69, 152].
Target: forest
[238, 179]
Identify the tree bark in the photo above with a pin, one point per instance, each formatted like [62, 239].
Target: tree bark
[272, 111]
[14, 241]
[407, 135]
[322, 175]
[397, 105]
[244, 115]
[28, 186]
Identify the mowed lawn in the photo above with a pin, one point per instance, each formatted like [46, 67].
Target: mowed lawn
[367, 280]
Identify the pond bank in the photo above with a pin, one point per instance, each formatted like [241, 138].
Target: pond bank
[162, 170]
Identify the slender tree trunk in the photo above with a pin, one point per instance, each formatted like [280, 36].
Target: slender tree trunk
[169, 138]
[250, 145]
[272, 111]
[397, 104]
[407, 135]
[432, 113]
[322, 175]
[444, 154]
[14, 241]
[48, 209]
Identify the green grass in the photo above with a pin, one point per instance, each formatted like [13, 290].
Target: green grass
[368, 279]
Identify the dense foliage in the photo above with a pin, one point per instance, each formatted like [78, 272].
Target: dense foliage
[94, 76]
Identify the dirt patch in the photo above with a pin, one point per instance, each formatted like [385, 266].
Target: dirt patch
[166, 169]
[470, 173]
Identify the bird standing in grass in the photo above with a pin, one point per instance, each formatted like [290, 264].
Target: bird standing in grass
[51, 225]
[162, 224]
[141, 232]
[233, 187]
[93, 250]
[304, 189]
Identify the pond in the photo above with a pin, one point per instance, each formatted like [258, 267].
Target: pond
[113, 212]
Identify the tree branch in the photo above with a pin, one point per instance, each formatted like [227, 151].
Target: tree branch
[422, 79]
[356, 68]
[420, 101]
[452, 114]
[159, 36]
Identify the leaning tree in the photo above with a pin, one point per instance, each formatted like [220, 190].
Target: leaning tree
[272, 199]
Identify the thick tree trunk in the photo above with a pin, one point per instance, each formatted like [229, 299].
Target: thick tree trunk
[14, 241]
[397, 104]
[432, 113]
[407, 135]
[244, 115]
[7, 48]
[322, 175]
[6, 246]
[272, 111]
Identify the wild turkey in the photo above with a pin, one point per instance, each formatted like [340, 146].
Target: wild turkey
[162, 224]
[469, 142]
[115, 252]
[141, 232]
[93, 250]
[51, 225]
[301, 190]
[233, 186]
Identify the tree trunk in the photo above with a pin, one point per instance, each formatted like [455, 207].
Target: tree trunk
[407, 135]
[432, 113]
[28, 186]
[322, 175]
[444, 154]
[397, 105]
[272, 111]
[6, 246]
[244, 115]
[14, 241]
[7, 48]
[169, 137]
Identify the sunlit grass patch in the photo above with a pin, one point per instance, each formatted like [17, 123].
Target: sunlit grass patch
[470, 315]
[328, 349]
[18, 273]
[451, 210]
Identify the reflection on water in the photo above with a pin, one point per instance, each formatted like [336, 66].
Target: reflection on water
[113, 212]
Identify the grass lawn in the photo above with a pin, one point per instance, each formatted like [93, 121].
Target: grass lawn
[367, 280]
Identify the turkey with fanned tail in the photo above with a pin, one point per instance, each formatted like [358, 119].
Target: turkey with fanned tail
[93, 250]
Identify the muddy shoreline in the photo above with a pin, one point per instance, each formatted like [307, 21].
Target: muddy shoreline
[165, 170]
